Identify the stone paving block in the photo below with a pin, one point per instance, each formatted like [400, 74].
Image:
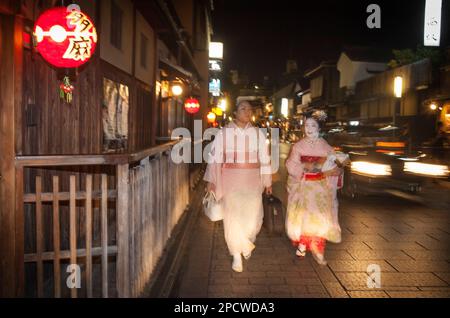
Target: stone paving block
[249, 288]
[316, 289]
[283, 274]
[354, 280]
[420, 266]
[358, 266]
[435, 245]
[222, 267]
[337, 292]
[222, 280]
[434, 255]
[440, 236]
[368, 294]
[248, 274]
[287, 288]
[262, 295]
[255, 267]
[418, 294]
[308, 295]
[280, 295]
[395, 246]
[378, 255]
[220, 274]
[411, 279]
[220, 295]
[268, 281]
[400, 288]
[337, 254]
[444, 276]
[219, 288]
[347, 245]
[363, 238]
[303, 281]
[405, 237]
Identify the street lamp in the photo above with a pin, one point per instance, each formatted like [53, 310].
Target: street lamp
[398, 90]
[284, 107]
[223, 104]
[177, 90]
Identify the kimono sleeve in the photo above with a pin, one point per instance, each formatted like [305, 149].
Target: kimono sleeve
[293, 163]
[213, 173]
[265, 160]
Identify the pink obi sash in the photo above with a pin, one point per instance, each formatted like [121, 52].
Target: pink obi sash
[255, 165]
[312, 159]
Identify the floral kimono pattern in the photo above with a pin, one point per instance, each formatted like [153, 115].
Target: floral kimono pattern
[312, 204]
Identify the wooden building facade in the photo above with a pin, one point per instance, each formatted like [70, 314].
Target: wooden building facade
[88, 193]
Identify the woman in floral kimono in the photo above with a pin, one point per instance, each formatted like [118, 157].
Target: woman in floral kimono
[311, 218]
[238, 172]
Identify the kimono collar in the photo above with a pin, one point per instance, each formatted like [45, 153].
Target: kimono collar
[234, 125]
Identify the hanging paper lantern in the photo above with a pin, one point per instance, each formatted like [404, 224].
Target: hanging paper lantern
[211, 117]
[65, 38]
[192, 105]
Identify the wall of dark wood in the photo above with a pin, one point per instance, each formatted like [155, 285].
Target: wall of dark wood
[51, 126]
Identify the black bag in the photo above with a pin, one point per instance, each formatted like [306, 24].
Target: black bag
[273, 215]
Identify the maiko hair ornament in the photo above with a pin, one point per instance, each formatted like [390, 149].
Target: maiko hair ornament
[320, 115]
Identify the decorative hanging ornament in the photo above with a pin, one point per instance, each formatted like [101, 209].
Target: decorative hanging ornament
[65, 38]
[66, 89]
[191, 105]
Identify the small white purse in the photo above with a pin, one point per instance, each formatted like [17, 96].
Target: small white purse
[212, 208]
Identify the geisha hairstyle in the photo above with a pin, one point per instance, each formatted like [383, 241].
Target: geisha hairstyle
[319, 116]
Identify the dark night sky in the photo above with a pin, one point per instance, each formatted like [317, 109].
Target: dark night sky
[260, 35]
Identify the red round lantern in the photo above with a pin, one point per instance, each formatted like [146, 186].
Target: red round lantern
[192, 105]
[65, 38]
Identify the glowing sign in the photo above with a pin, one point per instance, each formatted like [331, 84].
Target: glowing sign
[65, 38]
[216, 50]
[432, 28]
[214, 87]
[215, 65]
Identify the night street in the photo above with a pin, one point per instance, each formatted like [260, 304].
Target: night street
[410, 243]
[176, 149]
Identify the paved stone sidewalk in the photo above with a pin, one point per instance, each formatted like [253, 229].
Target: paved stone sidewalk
[410, 243]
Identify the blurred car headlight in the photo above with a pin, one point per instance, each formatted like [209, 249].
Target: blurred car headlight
[370, 168]
[427, 169]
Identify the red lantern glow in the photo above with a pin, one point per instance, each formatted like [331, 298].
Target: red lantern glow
[65, 38]
[192, 105]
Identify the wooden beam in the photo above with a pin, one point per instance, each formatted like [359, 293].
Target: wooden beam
[10, 90]
[65, 254]
[65, 196]
[91, 160]
[123, 240]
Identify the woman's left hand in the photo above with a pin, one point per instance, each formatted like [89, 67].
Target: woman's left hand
[269, 190]
[334, 172]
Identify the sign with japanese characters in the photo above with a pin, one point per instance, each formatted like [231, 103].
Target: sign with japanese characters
[65, 37]
[214, 86]
[432, 28]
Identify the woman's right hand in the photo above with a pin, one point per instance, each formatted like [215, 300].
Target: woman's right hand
[210, 187]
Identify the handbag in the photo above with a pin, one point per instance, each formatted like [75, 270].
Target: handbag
[212, 208]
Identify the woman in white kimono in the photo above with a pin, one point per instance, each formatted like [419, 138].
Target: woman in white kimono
[238, 172]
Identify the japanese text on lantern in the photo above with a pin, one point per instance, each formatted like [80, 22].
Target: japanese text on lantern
[80, 45]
